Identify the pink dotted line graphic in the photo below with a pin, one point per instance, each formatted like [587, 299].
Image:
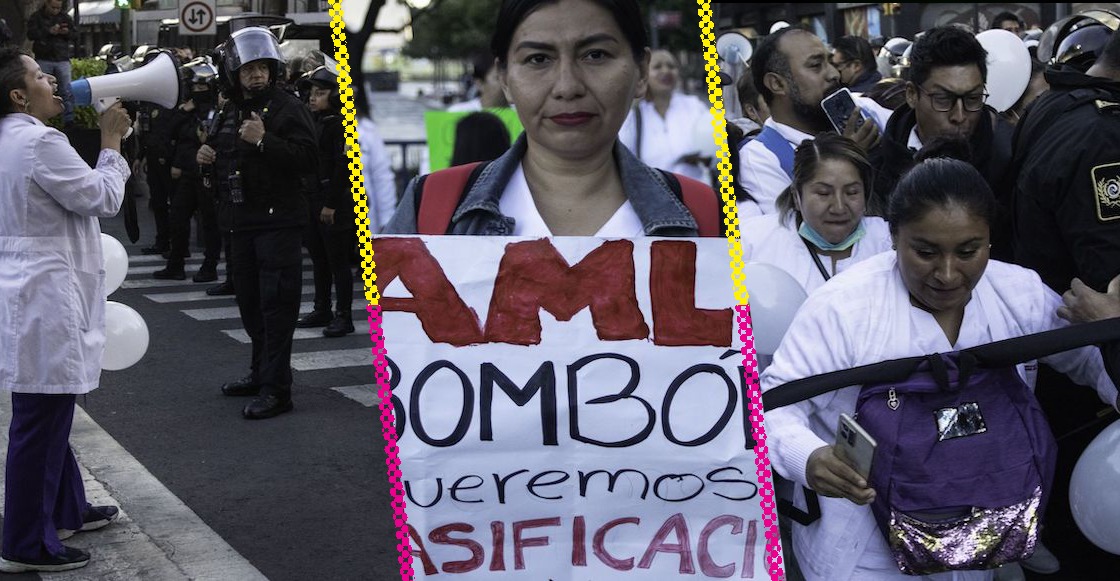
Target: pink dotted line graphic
[758, 432]
[389, 432]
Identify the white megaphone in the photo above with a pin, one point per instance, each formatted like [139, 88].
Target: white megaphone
[156, 82]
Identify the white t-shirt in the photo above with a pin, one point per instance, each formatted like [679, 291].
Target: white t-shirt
[517, 203]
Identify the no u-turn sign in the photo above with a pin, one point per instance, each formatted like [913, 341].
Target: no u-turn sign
[197, 17]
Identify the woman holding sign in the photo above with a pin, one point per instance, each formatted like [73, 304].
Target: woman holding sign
[52, 310]
[571, 68]
[821, 227]
[937, 292]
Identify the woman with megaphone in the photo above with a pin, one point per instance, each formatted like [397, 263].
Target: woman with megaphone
[52, 310]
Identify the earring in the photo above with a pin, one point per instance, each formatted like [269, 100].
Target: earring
[26, 107]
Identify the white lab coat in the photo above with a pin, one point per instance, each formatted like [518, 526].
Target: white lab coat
[766, 239]
[666, 139]
[380, 182]
[52, 280]
[864, 316]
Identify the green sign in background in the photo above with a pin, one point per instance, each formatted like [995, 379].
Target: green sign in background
[440, 128]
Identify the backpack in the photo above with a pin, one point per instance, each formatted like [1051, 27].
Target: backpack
[442, 191]
[965, 459]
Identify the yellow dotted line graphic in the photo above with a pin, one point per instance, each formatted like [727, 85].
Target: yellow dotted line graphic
[353, 151]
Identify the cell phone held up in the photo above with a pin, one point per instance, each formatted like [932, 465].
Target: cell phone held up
[854, 446]
[839, 107]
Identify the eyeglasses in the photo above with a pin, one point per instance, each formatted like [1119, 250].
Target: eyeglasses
[841, 63]
[944, 102]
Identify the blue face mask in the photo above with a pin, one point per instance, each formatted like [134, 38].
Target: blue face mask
[817, 240]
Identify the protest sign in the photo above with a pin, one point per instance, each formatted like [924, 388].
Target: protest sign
[570, 408]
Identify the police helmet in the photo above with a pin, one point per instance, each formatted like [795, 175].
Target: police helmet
[323, 77]
[251, 44]
[245, 46]
[1077, 40]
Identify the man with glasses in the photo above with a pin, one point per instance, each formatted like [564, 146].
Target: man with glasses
[853, 57]
[945, 97]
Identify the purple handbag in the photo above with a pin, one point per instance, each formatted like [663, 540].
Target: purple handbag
[964, 464]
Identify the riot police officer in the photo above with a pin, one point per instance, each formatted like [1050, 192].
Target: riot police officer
[332, 235]
[264, 142]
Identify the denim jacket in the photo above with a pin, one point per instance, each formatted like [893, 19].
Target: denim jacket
[662, 213]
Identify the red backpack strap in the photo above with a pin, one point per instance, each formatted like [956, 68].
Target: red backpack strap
[440, 194]
[702, 202]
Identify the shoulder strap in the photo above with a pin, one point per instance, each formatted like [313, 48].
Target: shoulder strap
[772, 140]
[999, 354]
[816, 259]
[439, 195]
[701, 202]
[638, 131]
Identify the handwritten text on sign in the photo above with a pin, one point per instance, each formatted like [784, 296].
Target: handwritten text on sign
[570, 408]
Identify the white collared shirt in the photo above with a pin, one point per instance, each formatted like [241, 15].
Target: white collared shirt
[517, 203]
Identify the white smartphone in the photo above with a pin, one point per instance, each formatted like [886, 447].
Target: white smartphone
[839, 107]
[854, 446]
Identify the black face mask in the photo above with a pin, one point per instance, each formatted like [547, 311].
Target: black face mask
[204, 99]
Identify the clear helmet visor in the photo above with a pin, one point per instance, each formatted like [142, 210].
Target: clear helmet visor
[251, 44]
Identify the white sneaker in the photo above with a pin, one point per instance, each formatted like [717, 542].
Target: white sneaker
[1010, 572]
[1042, 561]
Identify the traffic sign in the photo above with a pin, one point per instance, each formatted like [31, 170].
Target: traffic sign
[197, 17]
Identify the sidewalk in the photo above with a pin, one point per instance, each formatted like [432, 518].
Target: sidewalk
[156, 535]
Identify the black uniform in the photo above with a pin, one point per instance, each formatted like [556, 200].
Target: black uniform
[1067, 196]
[991, 156]
[264, 203]
[1066, 208]
[189, 194]
[157, 146]
[331, 245]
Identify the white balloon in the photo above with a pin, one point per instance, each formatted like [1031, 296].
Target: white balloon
[1092, 490]
[774, 299]
[115, 259]
[1009, 67]
[126, 337]
[778, 26]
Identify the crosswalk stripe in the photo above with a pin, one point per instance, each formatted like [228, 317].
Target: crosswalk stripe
[316, 360]
[363, 394]
[150, 268]
[148, 282]
[200, 295]
[241, 336]
[217, 313]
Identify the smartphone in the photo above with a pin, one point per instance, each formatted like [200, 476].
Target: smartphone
[854, 446]
[839, 107]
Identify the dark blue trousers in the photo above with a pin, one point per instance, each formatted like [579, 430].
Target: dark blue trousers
[268, 282]
[43, 488]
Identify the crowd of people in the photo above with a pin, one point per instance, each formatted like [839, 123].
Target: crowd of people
[936, 224]
[940, 223]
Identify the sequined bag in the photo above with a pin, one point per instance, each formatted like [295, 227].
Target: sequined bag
[964, 464]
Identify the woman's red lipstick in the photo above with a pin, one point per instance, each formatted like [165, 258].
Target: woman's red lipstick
[571, 119]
